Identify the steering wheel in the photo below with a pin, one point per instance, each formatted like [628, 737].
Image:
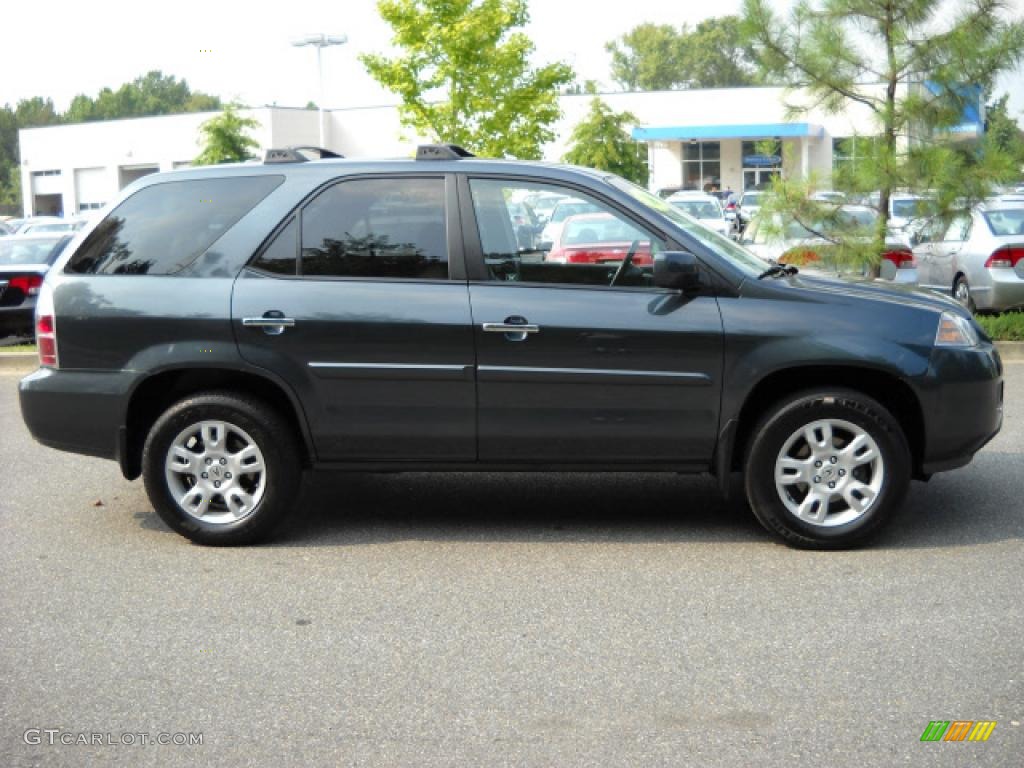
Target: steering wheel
[625, 263]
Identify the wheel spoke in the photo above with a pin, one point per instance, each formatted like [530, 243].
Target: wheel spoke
[239, 502]
[858, 495]
[813, 508]
[214, 434]
[790, 471]
[181, 459]
[861, 450]
[195, 501]
[248, 460]
[819, 436]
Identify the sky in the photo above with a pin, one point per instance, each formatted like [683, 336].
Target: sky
[239, 51]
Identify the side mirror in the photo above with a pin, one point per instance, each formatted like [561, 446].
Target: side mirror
[677, 270]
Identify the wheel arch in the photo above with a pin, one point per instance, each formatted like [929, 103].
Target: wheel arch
[888, 389]
[154, 394]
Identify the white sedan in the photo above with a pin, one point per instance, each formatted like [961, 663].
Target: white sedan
[978, 258]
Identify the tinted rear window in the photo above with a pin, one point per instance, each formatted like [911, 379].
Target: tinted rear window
[163, 228]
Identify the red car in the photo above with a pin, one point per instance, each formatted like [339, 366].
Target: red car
[596, 238]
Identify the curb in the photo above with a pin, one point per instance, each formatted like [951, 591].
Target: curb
[1011, 350]
[21, 362]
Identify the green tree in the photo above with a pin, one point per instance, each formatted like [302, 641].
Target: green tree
[657, 57]
[647, 58]
[224, 138]
[600, 141]
[154, 93]
[914, 66]
[1004, 132]
[464, 75]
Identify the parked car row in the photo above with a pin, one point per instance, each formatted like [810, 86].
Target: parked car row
[24, 261]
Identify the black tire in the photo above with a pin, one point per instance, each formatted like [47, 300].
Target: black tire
[962, 293]
[779, 427]
[274, 439]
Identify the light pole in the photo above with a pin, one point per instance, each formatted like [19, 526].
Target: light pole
[320, 41]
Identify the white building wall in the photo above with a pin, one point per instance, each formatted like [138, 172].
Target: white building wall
[167, 142]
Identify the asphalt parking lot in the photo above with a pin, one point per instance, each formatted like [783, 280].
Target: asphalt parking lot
[521, 620]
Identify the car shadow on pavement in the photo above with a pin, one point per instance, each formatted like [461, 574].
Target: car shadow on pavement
[355, 509]
[980, 504]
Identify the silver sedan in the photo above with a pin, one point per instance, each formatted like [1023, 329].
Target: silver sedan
[978, 258]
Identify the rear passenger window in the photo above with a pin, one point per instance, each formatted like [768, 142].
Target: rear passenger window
[377, 228]
[163, 228]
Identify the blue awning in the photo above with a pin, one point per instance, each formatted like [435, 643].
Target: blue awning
[747, 131]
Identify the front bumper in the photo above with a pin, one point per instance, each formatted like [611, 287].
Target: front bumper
[962, 402]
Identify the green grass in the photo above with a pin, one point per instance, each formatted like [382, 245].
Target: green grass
[1008, 326]
[18, 349]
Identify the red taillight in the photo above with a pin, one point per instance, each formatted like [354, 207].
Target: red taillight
[1006, 257]
[46, 341]
[902, 259]
[28, 284]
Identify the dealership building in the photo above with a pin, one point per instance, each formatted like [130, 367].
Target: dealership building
[699, 138]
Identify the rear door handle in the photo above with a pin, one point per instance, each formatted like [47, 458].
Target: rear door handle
[273, 323]
[511, 328]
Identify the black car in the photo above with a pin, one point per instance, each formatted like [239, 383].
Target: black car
[223, 329]
[24, 261]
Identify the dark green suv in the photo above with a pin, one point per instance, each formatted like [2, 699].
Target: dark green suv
[222, 329]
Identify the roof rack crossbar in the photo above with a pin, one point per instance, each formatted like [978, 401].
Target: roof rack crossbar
[295, 154]
[441, 152]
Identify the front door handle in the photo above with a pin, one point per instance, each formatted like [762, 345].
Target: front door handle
[273, 322]
[515, 328]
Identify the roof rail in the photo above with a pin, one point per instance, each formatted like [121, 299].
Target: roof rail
[294, 154]
[441, 152]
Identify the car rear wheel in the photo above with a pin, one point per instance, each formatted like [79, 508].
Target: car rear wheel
[962, 293]
[827, 469]
[221, 468]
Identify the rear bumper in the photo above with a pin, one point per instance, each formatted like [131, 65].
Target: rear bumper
[962, 405]
[77, 411]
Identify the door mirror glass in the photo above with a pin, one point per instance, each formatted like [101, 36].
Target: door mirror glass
[677, 270]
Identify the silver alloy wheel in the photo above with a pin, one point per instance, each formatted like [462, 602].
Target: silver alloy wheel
[963, 293]
[829, 472]
[215, 472]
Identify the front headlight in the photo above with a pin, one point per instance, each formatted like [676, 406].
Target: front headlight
[955, 331]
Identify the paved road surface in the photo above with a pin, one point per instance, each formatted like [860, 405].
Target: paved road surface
[521, 620]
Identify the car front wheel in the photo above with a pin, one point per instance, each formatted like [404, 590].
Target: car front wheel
[827, 469]
[221, 468]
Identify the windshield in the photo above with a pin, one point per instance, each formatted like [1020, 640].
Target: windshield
[699, 209]
[1005, 222]
[723, 246]
[14, 251]
[751, 198]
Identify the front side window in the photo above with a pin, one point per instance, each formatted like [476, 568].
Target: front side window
[592, 244]
[163, 228]
[382, 228]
